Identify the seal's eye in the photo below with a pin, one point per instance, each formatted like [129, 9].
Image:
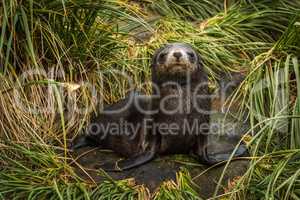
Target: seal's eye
[192, 57]
[162, 57]
[191, 54]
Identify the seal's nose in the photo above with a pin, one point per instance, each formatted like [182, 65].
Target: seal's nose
[177, 55]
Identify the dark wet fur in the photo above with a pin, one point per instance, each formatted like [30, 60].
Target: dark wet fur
[125, 142]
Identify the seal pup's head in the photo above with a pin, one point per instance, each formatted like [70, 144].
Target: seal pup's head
[174, 61]
[174, 58]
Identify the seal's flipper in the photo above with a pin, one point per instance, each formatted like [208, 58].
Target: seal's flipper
[201, 149]
[128, 163]
[211, 159]
[83, 141]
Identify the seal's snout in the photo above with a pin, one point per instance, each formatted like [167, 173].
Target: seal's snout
[177, 55]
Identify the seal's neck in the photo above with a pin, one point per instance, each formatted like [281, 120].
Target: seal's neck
[179, 79]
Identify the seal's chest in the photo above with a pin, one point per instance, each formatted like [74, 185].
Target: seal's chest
[175, 100]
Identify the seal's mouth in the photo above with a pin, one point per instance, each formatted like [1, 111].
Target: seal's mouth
[179, 67]
[178, 64]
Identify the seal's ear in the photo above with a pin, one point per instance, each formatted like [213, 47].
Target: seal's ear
[200, 61]
[156, 53]
[154, 62]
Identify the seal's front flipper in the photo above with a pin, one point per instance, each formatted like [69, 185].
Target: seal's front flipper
[83, 141]
[214, 158]
[128, 163]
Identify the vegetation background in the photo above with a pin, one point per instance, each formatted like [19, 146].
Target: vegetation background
[67, 42]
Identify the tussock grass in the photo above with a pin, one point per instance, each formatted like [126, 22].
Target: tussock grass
[180, 190]
[67, 43]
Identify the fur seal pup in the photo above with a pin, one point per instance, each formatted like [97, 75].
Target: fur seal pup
[185, 105]
[178, 121]
[184, 102]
